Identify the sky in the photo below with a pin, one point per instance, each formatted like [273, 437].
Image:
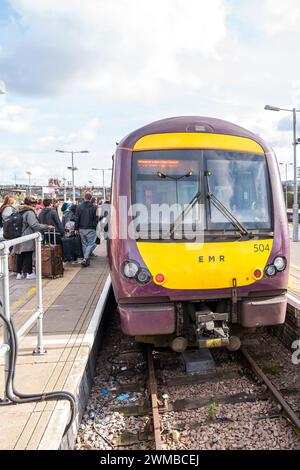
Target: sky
[82, 75]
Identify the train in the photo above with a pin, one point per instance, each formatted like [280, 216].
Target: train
[217, 266]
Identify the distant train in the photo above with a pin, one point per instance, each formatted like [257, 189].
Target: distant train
[221, 263]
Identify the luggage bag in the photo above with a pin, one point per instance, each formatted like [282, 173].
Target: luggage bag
[71, 248]
[12, 262]
[52, 263]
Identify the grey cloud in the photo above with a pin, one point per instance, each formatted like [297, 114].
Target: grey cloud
[285, 124]
[40, 69]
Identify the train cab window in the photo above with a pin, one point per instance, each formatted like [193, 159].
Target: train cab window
[240, 181]
[165, 178]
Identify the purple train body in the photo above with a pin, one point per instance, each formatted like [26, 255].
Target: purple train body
[234, 278]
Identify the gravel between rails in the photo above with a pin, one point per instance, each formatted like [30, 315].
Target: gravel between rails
[250, 425]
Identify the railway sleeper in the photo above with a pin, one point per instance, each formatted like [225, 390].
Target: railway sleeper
[200, 402]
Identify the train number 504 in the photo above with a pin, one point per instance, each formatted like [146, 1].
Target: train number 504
[261, 247]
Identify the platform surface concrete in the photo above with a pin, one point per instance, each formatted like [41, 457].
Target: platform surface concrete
[294, 279]
[71, 306]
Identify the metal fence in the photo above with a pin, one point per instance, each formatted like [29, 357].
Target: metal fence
[4, 276]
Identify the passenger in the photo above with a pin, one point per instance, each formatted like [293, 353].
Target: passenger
[49, 216]
[64, 207]
[68, 221]
[24, 251]
[86, 221]
[56, 205]
[7, 208]
[39, 206]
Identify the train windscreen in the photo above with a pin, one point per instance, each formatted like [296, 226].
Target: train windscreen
[241, 182]
[178, 178]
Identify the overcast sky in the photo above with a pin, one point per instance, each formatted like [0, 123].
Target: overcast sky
[82, 74]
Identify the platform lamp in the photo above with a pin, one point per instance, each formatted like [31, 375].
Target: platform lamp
[103, 182]
[29, 181]
[72, 168]
[295, 143]
[65, 189]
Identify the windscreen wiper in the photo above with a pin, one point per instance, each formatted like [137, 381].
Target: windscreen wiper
[226, 212]
[182, 215]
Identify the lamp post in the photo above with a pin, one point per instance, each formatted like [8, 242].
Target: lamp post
[103, 183]
[29, 181]
[65, 193]
[72, 168]
[286, 177]
[295, 143]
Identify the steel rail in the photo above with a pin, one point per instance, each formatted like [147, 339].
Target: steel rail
[152, 386]
[272, 389]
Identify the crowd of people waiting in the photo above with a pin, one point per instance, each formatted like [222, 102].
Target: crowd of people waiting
[45, 217]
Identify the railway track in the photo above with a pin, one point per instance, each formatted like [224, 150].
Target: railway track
[274, 391]
[142, 399]
[276, 394]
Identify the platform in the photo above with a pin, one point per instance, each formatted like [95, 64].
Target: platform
[73, 307]
[294, 280]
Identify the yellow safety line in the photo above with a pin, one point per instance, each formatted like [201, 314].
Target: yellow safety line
[22, 299]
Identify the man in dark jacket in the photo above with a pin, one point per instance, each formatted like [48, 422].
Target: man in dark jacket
[85, 223]
[49, 216]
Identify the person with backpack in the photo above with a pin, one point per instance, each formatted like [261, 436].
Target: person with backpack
[24, 251]
[6, 210]
[49, 216]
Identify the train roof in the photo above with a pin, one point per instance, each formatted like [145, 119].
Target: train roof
[189, 124]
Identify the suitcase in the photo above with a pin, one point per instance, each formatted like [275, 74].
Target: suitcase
[12, 262]
[71, 248]
[52, 263]
[77, 246]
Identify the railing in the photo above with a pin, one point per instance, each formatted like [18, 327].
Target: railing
[38, 315]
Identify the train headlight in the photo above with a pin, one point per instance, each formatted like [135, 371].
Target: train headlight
[270, 270]
[130, 269]
[143, 276]
[280, 263]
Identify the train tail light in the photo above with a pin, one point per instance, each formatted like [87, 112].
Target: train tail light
[160, 278]
[257, 274]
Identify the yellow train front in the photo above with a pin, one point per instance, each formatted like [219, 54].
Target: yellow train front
[198, 242]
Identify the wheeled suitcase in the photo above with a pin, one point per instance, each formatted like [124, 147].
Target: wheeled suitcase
[52, 263]
[71, 248]
[12, 262]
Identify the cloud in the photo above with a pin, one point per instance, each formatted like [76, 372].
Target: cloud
[84, 74]
[16, 119]
[281, 16]
[83, 137]
[125, 47]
